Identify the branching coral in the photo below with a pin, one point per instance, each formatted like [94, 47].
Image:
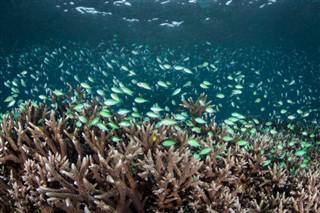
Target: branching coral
[76, 157]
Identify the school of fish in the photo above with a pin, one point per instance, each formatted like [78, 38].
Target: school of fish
[141, 80]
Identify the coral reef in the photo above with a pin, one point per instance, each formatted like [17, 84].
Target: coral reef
[77, 155]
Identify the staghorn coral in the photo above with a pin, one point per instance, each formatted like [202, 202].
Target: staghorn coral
[196, 108]
[174, 173]
[53, 160]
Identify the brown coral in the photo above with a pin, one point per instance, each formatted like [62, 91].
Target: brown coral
[50, 163]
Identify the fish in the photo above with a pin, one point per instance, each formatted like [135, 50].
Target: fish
[235, 80]
[176, 91]
[144, 85]
[140, 100]
[85, 85]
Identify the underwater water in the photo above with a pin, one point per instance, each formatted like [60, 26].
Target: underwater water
[260, 58]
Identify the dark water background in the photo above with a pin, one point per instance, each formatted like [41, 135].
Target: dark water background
[292, 25]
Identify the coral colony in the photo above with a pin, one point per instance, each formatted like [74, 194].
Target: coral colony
[72, 153]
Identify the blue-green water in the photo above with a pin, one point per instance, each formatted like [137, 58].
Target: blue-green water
[256, 57]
